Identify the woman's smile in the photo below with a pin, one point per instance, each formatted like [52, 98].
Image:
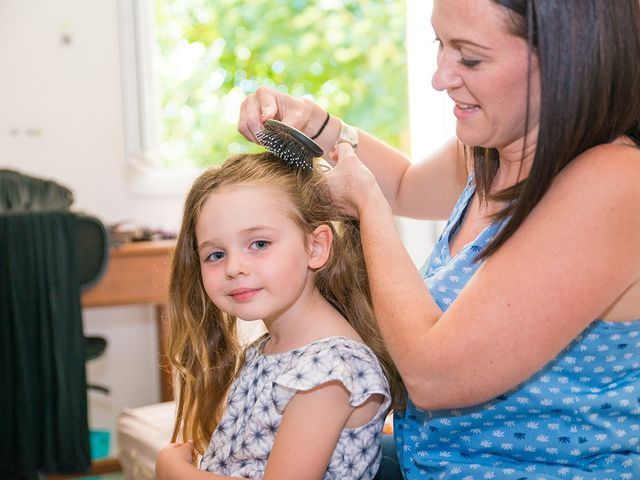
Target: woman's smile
[463, 111]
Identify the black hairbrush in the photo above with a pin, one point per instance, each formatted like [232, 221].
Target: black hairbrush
[289, 144]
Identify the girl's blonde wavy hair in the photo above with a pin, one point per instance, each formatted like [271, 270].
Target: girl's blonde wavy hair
[202, 345]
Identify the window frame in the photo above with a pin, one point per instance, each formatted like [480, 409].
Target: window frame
[136, 31]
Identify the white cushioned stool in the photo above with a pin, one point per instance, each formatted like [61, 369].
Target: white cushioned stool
[142, 432]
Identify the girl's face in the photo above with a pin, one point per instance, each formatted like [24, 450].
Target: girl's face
[254, 259]
[483, 68]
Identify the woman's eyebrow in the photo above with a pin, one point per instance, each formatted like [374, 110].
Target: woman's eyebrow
[463, 41]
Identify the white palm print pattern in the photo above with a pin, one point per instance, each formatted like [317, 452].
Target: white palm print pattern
[576, 419]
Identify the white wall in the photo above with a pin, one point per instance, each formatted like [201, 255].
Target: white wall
[429, 115]
[60, 118]
[70, 95]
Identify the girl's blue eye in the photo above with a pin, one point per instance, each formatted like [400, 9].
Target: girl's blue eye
[215, 256]
[260, 244]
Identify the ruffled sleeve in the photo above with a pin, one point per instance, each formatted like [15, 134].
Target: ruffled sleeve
[334, 359]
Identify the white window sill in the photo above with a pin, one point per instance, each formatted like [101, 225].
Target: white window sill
[153, 181]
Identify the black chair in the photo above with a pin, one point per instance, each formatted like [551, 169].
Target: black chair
[48, 254]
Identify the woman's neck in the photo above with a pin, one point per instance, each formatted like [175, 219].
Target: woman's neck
[515, 162]
[512, 169]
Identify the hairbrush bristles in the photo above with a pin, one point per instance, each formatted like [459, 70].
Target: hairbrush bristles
[289, 144]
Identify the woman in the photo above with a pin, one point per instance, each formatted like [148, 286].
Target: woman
[521, 358]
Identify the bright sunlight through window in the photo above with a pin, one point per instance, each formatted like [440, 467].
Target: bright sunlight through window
[207, 55]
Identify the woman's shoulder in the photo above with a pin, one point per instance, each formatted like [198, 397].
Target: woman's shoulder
[599, 191]
[611, 169]
[618, 158]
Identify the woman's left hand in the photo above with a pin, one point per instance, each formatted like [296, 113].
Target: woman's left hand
[350, 181]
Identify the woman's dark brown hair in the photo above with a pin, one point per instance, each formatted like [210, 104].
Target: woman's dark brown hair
[588, 52]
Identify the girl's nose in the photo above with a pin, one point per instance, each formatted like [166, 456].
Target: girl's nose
[235, 265]
[446, 76]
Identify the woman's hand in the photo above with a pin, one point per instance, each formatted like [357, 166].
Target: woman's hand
[352, 184]
[172, 459]
[267, 103]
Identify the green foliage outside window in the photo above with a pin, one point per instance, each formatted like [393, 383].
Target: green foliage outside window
[348, 55]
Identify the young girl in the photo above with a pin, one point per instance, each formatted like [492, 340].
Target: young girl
[309, 398]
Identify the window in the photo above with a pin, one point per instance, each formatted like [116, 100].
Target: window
[194, 62]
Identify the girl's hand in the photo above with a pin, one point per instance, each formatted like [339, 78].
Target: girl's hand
[267, 103]
[171, 458]
[350, 181]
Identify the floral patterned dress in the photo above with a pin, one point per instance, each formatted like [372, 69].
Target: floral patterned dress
[578, 418]
[241, 443]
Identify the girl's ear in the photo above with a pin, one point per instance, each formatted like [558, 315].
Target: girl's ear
[320, 241]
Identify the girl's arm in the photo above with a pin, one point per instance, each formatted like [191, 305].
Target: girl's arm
[174, 463]
[427, 189]
[309, 432]
[573, 257]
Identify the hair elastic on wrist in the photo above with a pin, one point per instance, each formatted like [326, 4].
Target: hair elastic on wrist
[324, 124]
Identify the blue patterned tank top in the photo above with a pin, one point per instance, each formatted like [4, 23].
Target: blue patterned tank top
[577, 418]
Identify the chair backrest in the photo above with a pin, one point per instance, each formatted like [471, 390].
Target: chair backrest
[24, 193]
[93, 249]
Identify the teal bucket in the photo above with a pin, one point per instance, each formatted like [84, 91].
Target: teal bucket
[99, 441]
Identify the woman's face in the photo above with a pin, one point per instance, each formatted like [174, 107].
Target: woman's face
[483, 67]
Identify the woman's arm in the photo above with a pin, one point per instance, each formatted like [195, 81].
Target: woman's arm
[576, 253]
[427, 189]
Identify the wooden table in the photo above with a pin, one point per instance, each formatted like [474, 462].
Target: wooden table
[138, 272]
